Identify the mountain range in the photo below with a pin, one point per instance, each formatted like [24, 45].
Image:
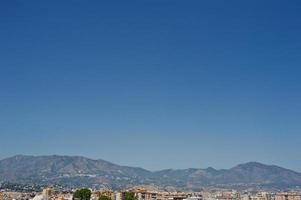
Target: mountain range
[77, 171]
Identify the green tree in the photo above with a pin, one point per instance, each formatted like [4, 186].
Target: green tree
[104, 198]
[82, 194]
[130, 196]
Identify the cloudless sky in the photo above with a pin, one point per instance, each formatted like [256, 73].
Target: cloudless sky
[152, 83]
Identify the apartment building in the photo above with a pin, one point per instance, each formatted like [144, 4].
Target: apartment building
[108, 193]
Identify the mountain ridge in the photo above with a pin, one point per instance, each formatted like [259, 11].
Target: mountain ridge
[80, 171]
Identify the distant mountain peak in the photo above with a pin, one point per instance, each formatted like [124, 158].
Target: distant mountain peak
[211, 169]
[251, 164]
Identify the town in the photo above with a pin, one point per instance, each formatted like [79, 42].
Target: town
[145, 193]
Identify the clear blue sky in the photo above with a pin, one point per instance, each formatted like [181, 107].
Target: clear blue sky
[152, 83]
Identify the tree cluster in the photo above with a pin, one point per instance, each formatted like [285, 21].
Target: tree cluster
[82, 194]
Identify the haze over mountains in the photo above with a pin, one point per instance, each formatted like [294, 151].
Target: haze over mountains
[77, 171]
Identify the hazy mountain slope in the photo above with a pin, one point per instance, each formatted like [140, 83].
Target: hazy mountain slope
[72, 170]
[258, 173]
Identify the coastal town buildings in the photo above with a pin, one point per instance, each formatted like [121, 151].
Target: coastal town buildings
[288, 196]
[143, 193]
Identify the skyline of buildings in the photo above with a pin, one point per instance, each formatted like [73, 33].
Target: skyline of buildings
[143, 193]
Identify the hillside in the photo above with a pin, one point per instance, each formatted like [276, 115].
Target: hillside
[80, 171]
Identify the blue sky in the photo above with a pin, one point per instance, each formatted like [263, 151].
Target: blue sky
[156, 84]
